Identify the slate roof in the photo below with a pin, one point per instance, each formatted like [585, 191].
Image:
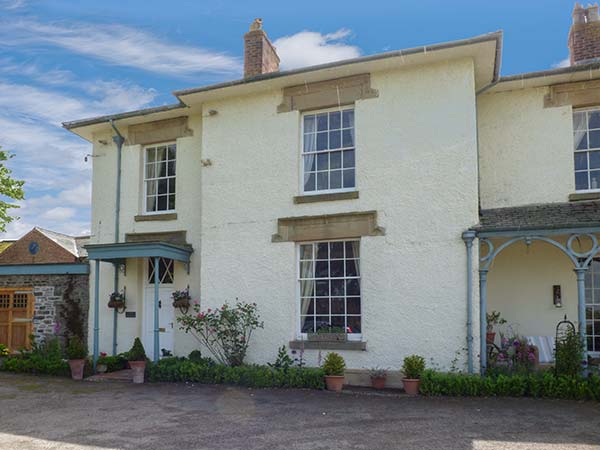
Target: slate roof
[73, 245]
[544, 216]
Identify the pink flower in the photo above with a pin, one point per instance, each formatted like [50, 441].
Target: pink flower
[208, 310]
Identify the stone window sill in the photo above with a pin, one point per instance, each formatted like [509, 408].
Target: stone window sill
[317, 345]
[155, 217]
[325, 197]
[581, 196]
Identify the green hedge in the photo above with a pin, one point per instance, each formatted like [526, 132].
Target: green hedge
[36, 364]
[181, 369]
[544, 384]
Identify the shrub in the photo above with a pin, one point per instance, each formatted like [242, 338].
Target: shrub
[568, 354]
[413, 367]
[76, 349]
[283, 360]
[225, 332]
[137, 352]
[44, 358]
[515, 356]
[4, 350]
[195, 356]
[113, 363]
[544, 384]
[208, 372]
[334, 364]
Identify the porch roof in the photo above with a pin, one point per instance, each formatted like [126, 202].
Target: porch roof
[548, 218]
[123, 250]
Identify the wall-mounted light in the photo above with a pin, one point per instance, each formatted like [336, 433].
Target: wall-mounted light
[206, 162]
[557, 296]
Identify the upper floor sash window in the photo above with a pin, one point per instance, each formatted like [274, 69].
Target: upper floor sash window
[328, 151]
[586, 130]
[159, 178]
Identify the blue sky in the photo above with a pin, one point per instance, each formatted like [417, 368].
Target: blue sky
[63, 60]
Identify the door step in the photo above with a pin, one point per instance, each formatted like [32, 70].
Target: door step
[122, 376]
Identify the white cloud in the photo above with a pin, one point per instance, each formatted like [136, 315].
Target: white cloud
[59, 213]
[78, 196]
[564, 63]
[12, 4]
[120, 45]
[308, 48]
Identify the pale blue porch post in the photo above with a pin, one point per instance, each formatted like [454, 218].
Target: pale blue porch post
[482, 318]
[581, 307]
[96, 311]
[468, 237]
[156, 324]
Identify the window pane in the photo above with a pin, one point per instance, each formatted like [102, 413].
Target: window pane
[335, 139]
[335, 120]
[352, 249]
[322, 288]
[308, 306]
[336, 250]
[310, 142]
[171, 201]
[151, 187]
[306, 251]
[352, 287]
[322, 305]
[337, 305]
[335, 160]
[151, 203]
[349, 158]
[322, 122]
[594, 137]
[322, 161]
[322, 250]
[338, 322]
[353, 305]
[171, 169]
[581, 180]
[351, 268]
[580, 140]
[336, 268]
[150, 170]
[309, 124]
[161, 169]
[171, 152]
[322, 269]
[593, 119]
[309, 181]
[595, 179]
[348, 118]
[349, 178]
[162, 186]
[307, 288]
[335, 179]
[310, 163]
[162, 203]
[348, 138]
[337, 287]
[581, 161]
[354, 325]
[172, 185]
[321, 141]
[322, 323]
[308, 324]
[161, 153]
[322, 180]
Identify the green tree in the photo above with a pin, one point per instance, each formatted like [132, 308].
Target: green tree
[9, 189]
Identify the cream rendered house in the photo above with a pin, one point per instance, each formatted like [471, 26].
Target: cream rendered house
[359, 194]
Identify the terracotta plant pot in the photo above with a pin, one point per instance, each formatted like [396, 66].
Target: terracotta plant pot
[378, 382]
[77, 366]
[411, 386]
[490, 337]
[138, 368]
[334, 382]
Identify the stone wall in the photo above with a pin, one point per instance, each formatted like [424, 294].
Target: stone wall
[49, 291]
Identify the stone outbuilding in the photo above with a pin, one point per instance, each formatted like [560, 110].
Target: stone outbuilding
[43, 288]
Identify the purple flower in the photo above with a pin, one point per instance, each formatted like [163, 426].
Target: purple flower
[56, 328]
[516, 343]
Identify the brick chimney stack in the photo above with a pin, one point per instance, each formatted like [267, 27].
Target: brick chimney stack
[584, 36]
[259, 54]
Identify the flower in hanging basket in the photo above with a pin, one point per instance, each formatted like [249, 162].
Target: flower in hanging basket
[117, 300]
[181, 299]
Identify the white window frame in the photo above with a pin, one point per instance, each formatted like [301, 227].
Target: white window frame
[144, 179]
[587, 151]
[350, 336]
[341, 149]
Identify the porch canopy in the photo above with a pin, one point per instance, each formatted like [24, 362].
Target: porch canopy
[117, 253]
[573, 228]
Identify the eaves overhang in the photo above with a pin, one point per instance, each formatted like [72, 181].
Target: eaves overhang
[124, 250]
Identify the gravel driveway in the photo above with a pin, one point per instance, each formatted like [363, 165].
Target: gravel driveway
[53, 413]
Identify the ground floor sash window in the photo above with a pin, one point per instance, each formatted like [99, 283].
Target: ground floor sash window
[329, 284]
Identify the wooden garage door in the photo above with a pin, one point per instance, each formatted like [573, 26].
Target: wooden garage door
[16, 318]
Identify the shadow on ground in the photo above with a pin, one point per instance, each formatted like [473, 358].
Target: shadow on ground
[54, 413]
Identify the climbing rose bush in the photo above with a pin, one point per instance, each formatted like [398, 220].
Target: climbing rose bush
[225, 332]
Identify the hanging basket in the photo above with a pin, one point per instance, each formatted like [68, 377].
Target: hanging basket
[119, 305]
[183, 304]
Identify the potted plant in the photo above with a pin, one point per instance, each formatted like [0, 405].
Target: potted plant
[181, 300]
[492, 320]
[328, 334]
[412, 369]
[101, 366]
[4, 352]
[137, 361]
[117, 300]
[76, 354]
[334, 366]
[378, 377]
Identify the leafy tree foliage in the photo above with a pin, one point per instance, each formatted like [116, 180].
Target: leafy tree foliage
[9, 189]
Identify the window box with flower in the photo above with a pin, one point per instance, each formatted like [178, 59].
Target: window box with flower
[181, 300]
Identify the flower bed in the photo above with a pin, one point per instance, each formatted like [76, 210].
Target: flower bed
[544, 384]
[206, 371]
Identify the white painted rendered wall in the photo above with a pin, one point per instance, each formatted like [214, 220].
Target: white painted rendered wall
[416, 166]
[525, 150]
[520, 288]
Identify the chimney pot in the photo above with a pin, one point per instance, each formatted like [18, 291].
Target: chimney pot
[584, 36]
[259, 54]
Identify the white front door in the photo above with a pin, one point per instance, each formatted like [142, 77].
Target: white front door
[166, 312]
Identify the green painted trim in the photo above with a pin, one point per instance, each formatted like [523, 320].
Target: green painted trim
[318, 345]
[325, 197]
[124, 250]
[155, 217]
[45, 269]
